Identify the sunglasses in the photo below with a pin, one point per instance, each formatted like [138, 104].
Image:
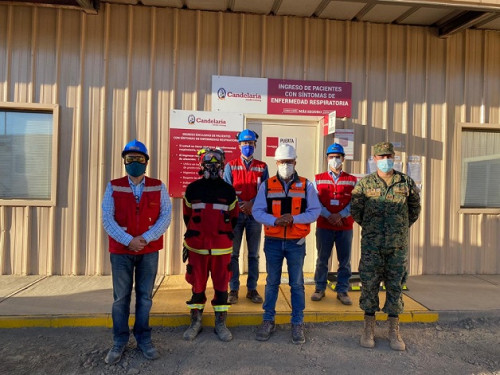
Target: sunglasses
[132, 158]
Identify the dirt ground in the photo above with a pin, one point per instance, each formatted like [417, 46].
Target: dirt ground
[470, 346]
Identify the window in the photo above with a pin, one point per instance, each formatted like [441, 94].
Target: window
[479, 153]
[28, 154]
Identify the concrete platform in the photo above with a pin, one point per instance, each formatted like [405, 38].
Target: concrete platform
[56, 301]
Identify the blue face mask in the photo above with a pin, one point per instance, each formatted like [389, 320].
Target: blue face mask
[247, 150]
[135, 169]
[385, 165]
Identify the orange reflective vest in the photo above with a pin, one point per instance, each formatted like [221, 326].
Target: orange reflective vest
[292, 202]
[136, 218]
[335, 196]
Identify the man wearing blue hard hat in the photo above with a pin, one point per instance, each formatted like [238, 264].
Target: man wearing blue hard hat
[246, 174]
[334, 226]
[136, 212]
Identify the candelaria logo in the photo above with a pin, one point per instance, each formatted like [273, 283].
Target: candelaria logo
[221, 93]
[191, 119]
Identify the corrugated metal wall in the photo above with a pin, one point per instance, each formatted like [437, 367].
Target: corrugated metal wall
[116, 76]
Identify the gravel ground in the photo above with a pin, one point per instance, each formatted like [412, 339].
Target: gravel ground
[470, 346]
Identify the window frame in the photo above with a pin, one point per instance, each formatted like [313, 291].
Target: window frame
[38, 108]
[461, 127]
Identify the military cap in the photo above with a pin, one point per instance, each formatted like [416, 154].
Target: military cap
[383, 148]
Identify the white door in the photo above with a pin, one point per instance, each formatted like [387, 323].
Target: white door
[307, 133]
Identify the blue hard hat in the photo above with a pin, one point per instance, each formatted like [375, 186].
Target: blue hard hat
[335, 148]
[135, 146]
[247, 135]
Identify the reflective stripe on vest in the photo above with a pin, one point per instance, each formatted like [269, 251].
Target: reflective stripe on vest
[279, 203]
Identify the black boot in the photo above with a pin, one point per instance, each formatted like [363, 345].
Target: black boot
[220, 327]
[195, 327]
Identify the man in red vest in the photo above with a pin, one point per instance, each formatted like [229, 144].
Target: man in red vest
[246, 174]
[210, 212]
[334, 225]
[136, 211]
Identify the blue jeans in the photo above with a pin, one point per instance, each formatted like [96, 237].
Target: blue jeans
[276, 250]
[325, 238]
[123, 267]
[253, 230]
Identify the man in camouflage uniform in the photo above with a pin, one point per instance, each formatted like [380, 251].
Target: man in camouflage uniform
[385, 204]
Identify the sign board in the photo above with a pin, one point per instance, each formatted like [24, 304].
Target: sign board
[332, 118]
[345, 138]
[309, 98]
[272, 144]
[281, 96]
[239, 94]
[190, 131]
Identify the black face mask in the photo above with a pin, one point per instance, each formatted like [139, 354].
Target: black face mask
[212, 170]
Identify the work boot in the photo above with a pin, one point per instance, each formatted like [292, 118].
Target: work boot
[220, 327]
[318, 295]
[115, 354]
[195, 327]
[233, 297]
[149, 351]
[344, 298]
[254, 296]
[265, 330]
[395, 339]
[298, 336]
[367, 339]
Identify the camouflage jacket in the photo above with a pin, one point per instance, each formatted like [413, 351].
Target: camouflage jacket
[385, 212]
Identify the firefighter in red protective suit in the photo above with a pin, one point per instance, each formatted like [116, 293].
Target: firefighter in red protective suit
[210, 210]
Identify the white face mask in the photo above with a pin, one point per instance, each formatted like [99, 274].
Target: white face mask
[335, 163]
[285, 170]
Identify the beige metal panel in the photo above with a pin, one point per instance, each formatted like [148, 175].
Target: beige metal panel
[207, 52]
[492, 83]
[185, 90]
[252, 52]
[384, 13]
[335, 50]
[425, 16]
[254, 6]
[162, 82]
[273, 46]
[458, 260]
[298, 8]
[231, 29]
[417, 122]
[295, 47]
[116, 76]
[342, 10]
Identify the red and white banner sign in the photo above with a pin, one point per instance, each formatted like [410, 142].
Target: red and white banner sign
[190, 131]
[281, 96]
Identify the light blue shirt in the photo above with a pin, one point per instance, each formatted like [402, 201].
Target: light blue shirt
[313, 206]
[345, 212]
[116, 232]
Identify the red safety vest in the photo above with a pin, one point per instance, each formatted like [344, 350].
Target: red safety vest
[136, 218]
[335, 197]
[246, 181]
[279, 202]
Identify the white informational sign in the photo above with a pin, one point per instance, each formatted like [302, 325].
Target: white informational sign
[332, 117]
[288, 141]
[190, 131]
[345, 137]
[371, 165]
[239, 94]
[398, 164]
[415, 168]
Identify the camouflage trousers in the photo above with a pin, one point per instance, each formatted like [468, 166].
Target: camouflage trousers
[387, 265]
